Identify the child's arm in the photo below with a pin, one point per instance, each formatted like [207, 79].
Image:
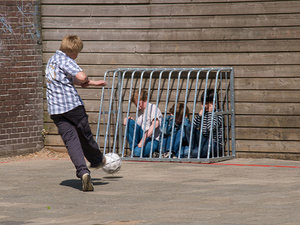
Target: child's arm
[148, 133]
[82, 79]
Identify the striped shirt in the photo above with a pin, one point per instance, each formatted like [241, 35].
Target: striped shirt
[61, 93]
[217, 126]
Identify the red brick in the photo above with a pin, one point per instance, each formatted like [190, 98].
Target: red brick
[21, 87]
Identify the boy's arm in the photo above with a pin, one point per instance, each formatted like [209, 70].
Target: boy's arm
[148, 133]
[82, 79]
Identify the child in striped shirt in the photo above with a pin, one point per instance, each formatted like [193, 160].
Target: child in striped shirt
[216, 127]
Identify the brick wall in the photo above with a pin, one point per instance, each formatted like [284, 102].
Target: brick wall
[21, 84]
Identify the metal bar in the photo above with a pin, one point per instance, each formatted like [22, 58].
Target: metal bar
[210, 144]
[109, 111]
[193, 115]
[157, 99]
[183, 116]
[127, 115]
[120, 85]
[232, 112]
[165, 112]
[100, 108]
[145, 115]
[137, 113]
[174, 114]
[202, 117]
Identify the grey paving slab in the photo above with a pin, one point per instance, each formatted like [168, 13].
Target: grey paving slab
[239, 191]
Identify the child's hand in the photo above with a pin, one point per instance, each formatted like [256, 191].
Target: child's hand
[201, 112]
[125, 120]
[141, 143]
[101, 83]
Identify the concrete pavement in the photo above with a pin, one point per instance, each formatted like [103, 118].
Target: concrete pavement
[239, 191]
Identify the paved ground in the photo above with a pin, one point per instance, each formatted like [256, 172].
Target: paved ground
[45, 191]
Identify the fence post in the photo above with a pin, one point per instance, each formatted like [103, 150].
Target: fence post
[232, 112]
[120, 110]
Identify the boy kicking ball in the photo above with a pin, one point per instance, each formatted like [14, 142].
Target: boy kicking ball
[67, 111]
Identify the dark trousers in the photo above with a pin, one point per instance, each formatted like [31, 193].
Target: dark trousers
[73, 126]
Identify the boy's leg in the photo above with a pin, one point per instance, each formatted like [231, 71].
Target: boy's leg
[90, 148]
[176, 142]
[147, 147]
[166, 144]
[204, 147]
[70, 137]
[130, 132]
[184, 152]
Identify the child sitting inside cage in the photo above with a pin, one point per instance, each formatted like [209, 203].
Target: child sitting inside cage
[148, 120]
[174, 131]
[200, 139]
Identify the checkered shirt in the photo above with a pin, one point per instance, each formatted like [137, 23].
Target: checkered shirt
[61, 93]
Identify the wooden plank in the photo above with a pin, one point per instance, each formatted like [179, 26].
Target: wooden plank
[172, 9]
[267, 71]
[52, 129]
[104, 46]
[283, 95]
[286, 134]
[182, 60]
[241, 145]
[289, 109]
[182, 46]
[247, 71]
[284, 156]
[241, 95]
[264, 121]
[53, 140]
[240, 120]
[203, 34]
[66, 2]
[80, 2]
[267, 121]
[56, 141]
[171, 22]
[202, 1]
[268, 146]
[249, 133]
[268, 84]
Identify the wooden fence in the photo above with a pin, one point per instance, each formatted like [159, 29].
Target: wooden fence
[260, 39]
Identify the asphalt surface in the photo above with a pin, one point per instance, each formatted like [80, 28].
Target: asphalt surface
[239, 191]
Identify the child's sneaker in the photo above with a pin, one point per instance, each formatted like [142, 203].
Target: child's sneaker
[155, 155]
[86, 182]
[100, 165]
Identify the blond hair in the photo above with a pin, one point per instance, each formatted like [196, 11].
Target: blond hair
[71, 44]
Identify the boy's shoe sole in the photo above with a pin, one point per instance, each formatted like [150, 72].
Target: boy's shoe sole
[86, 182]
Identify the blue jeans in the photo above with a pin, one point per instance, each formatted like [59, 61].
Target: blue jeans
[138, 137]
[176, 143]
[203, 149]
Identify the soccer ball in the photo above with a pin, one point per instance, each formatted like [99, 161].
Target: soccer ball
[113, 163]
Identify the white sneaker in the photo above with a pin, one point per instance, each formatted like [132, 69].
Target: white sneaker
[86, 182]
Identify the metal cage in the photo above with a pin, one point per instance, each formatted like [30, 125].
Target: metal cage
[164, 87]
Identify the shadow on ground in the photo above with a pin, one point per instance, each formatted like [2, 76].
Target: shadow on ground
[76, 183]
